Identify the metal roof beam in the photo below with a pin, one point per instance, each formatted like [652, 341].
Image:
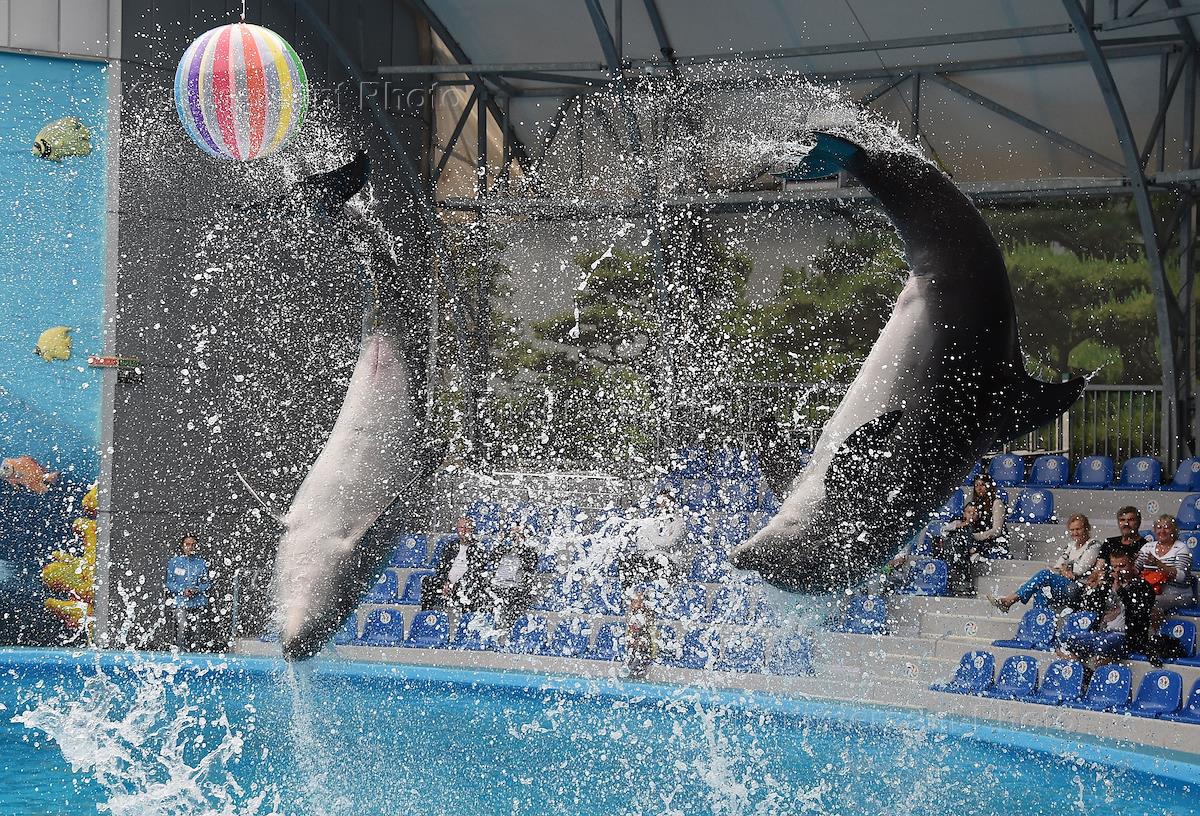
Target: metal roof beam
[660, 32]
[1140, 47]
[1149, 19]
[1164, 106]
[1025, 122]
[449, 149]
[477, 77]
[882, 89]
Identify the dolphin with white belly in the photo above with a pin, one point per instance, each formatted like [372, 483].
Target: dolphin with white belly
[943, 384]
[371, 480]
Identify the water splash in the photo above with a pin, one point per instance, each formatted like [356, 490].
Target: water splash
[153, 749]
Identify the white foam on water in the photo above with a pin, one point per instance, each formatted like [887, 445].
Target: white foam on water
[141, 746]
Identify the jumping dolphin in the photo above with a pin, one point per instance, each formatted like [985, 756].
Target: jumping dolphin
[943, 384]
[371, 480]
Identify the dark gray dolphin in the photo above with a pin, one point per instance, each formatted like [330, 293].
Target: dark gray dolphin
[943, 384]
[371, 480]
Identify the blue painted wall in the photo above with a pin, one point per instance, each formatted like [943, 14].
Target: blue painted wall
[52, 250]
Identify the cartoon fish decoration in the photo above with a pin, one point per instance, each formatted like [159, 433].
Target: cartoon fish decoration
[26, 472]
[61, 138]
[54, 344]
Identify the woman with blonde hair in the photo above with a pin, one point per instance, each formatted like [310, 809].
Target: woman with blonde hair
[1055, 587]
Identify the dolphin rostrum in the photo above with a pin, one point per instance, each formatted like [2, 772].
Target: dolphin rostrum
[371, 480]
[943, 384]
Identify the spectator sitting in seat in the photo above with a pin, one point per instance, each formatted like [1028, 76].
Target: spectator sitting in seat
[457, 579]
[1057, 587]
[654, 545]
[641, 637]
[1126, 625]
[1164, 564]
[1129, 542]
[510, 571]
[977, 535]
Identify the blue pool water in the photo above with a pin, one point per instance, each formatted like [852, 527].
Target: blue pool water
[134, 736]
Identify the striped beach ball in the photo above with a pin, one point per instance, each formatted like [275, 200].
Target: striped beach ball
[241, 92]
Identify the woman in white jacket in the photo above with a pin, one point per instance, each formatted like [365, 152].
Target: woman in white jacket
[1054, 588]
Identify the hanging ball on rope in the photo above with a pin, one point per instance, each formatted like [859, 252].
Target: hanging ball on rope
[241, 92]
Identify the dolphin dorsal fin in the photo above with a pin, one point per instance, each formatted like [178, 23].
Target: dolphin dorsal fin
[1029, 404]
[858, 456]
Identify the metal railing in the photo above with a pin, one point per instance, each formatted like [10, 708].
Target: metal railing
[1120, 421]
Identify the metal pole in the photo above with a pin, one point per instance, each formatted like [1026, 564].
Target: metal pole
[1167, 311]
[916, 107]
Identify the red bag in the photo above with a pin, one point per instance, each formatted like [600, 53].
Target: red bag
[1156, 578]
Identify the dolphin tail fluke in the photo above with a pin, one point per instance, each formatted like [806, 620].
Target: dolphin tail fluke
[1033, 403]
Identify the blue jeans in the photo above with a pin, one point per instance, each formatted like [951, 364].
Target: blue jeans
[1046, 588]
[1105, 645]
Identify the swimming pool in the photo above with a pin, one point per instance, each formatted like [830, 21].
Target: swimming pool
[139, 735]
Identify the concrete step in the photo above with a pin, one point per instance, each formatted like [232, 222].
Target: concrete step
[833, 646]
[988, 628]
[1016, 567]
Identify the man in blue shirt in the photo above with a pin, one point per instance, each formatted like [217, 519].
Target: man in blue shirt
[187, 583]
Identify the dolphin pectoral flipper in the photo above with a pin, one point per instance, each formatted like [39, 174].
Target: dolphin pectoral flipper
[1030, 404]
[330, 191]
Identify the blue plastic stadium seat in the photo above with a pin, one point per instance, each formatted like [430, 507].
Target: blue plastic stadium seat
[348, 633]
[690, 602]
[1093, 473]
[570, 639]
[764, 613]
[1188, 517]
[695, 462]
[1034, 506]
[1017, 679]
[1160, 692]
[383, 591]
[430, 629]
[1007, 469]
[731, 530]
[412, 587]
[1141, 473]
[439, 546]
[1187, 476]
[562, 594]
[866, 615]
[925, 544]
[973, 675]
[411, 551]
[700, 529]
[1183, 631]
[1062, 682]
[698, 650]
[736, 496]
[1190, 713]
[384, 627]
[609, 643]
[476, 631]
[547, 562]
[1108, 690]
[730, 604]
[929, 577]
[953, 507]
[529, 635]
[1050, 471]
[742, 653]
[1036, 631]
[976, 469]
[1076, 623]
[710, 566]
[697, 495]
[767, 502]
[608, 598]
[791, 656]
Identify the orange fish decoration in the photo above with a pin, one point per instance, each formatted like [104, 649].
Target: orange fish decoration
[26, 472]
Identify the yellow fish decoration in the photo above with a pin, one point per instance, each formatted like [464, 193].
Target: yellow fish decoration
[61, 138]
[54, 344]
[75, 575]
